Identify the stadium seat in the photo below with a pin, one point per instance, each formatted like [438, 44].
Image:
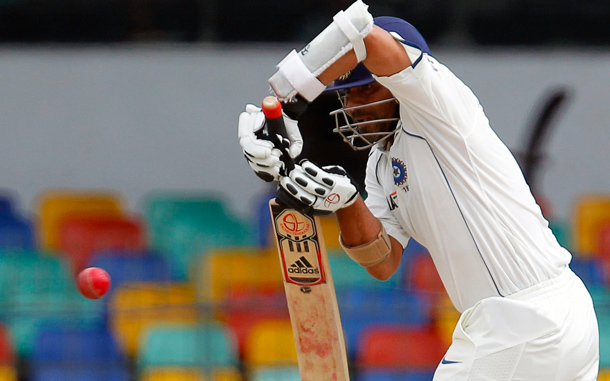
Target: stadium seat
[7, 203]
[445, 318]
[364, 307]
[242, 313]
[62, 372]
[275, 373]
[39, 288]
[346, 274]
[400, 347]
[252, 271]
[135, 306]
[421, 275]
[76, 352]
[394, 375]
[270, 343]
[55, 205]
[7, 351]
[331, 232]
[80, 237]
[75, 344]
[140, 265]
[604, 375]
[16, 233]
[186, 226]
[208, 346]
[604, 242]
[8, 372]
[592, 270]
[590, 213]
[189, 374]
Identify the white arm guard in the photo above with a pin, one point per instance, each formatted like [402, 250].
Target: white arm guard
[297, 72]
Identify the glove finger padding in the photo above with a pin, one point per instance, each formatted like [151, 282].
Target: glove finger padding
[264, 158]
[315, 188]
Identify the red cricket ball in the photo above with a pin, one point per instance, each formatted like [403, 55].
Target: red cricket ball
[93, 282]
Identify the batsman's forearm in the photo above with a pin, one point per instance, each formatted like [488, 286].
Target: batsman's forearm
[359, 226]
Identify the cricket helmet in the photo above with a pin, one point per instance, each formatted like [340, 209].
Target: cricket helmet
[360, 76]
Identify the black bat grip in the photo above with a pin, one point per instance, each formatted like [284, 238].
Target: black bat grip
[274, 119]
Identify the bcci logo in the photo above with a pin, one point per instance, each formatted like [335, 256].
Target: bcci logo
[399, 170]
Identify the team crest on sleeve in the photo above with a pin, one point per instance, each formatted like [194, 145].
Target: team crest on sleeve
[399, 170]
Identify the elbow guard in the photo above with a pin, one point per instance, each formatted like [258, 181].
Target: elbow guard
[297, 72]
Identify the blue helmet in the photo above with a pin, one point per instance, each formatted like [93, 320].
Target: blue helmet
[360, 75]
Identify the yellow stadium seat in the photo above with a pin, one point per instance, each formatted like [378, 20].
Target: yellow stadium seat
[331, 231]
[270, 343]
[8, 373]
[55, 205]
[445, 319]
[228, 272]
[591, 212]
[604, 375]
[189, 374]
[136, 306]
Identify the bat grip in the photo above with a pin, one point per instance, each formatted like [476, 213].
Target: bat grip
[274, 119]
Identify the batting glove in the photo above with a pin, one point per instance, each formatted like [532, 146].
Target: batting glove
[263, 157]
[318, 191]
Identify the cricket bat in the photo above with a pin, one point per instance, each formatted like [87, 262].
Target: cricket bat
[310, 292]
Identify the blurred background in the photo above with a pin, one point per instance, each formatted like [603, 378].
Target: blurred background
[119, 149]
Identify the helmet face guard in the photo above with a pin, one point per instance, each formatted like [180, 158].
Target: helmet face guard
[351, 131]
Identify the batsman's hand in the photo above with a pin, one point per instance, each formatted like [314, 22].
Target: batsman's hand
[318, 191]
[260, 153]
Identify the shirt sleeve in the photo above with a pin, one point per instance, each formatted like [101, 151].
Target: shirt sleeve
[434, 97]
[377, 201]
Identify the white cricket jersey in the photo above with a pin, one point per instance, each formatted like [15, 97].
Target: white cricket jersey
[449, 182]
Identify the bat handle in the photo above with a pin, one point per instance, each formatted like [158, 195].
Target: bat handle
[272, 108]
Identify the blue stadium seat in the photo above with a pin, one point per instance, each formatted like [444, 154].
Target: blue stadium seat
[592, 270]
[133, 266]
[61, 372]
[16, 233]
[363, 307]
[77, 353]
[393, 375]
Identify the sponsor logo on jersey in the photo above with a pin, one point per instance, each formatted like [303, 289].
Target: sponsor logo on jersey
[399, 171]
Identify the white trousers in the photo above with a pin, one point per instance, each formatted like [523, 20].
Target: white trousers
[546, 332]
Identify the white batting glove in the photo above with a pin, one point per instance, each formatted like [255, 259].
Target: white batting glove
[262, 156]
[314, 190]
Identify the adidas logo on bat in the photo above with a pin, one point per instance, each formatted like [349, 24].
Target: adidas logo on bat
[302, 266]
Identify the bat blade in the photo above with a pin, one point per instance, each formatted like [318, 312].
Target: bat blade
[310, 292]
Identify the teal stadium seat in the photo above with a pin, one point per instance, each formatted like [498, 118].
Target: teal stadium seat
[36, 289]
[186, 226]
[347, 273]
[207, 346]
[278, 373]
